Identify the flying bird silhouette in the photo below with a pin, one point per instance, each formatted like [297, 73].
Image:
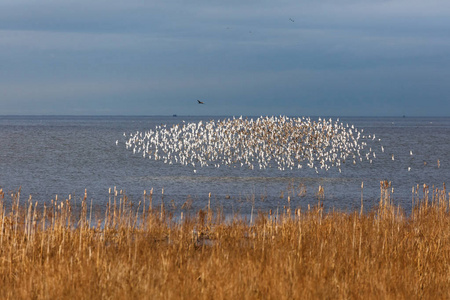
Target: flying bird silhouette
[200, 102]
[292, 20]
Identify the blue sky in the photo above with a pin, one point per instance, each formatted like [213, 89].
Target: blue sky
[300, 57]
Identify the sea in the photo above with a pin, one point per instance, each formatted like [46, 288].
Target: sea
[60, 156]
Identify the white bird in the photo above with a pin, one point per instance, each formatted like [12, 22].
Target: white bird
[280, 142]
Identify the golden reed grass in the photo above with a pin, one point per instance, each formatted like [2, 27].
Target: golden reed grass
[139, 251]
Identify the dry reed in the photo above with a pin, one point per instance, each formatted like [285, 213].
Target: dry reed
[139, 251]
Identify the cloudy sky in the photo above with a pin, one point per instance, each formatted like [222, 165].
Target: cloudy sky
[296, 57]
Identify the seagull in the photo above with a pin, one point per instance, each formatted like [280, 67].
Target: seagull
[223, 137]
[200, 102]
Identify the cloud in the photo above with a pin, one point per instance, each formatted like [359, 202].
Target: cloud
[155, 55]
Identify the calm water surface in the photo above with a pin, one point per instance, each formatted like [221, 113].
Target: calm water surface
[51, 155]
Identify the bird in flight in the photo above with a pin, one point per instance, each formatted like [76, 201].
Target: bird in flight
[200, 102]
[292, 20]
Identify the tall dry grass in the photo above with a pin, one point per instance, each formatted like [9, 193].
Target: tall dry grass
[139, 251]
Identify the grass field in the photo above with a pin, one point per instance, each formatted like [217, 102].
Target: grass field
[140, 251]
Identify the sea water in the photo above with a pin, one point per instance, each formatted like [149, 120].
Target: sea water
[46, 156]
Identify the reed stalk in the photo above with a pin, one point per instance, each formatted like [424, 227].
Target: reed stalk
[295, 253]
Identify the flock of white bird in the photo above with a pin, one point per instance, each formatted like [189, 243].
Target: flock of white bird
[265, 142]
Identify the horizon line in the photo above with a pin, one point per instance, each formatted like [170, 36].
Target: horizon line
[225, 115]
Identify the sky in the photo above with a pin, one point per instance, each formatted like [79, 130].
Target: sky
[299, 57]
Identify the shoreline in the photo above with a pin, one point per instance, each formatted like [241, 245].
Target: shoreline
[290, 254]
